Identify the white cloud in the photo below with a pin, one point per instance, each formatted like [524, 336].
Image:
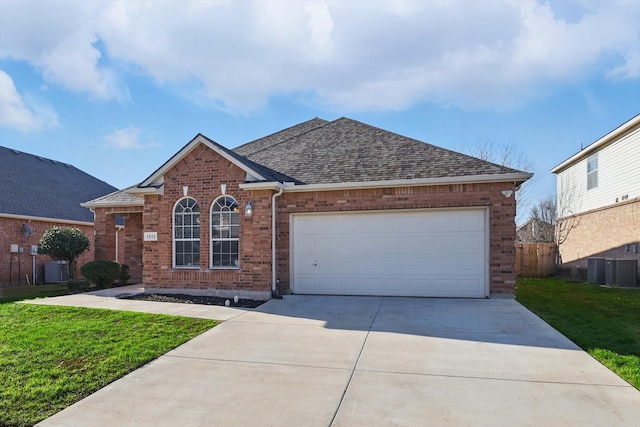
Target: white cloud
[355, 55]
[128, 138]
[22, 113]
[59, 39]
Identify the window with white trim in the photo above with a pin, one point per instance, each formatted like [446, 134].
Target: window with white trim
[592, 172]
[225, 232]
[186, 233]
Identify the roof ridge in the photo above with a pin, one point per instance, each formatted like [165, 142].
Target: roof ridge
[38, 157]
[326, 122]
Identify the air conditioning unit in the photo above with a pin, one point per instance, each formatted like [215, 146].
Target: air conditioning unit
[56, 272]
[595, 270]
[621, 272]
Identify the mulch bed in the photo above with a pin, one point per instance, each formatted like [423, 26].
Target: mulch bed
[196, 299]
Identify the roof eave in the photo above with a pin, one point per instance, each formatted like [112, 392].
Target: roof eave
[148, 190]
[91, 205]
[517, 178]
[595, 146]
[45, 219]
[264, 185]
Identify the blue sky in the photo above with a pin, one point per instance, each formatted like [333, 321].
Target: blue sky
[115, 87]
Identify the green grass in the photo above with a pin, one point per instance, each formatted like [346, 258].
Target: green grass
[605, 322]
[17, 293]
[51, 357]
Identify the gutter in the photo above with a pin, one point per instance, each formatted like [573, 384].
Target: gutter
[473, 179]
[45, 219]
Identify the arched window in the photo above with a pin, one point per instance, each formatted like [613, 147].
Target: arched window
[225, 232]
[186, 233]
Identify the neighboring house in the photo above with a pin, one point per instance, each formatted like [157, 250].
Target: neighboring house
[535, 231]
[599, 199]
[323, 207]
[37, 194]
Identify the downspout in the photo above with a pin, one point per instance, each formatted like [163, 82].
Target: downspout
[274, 280]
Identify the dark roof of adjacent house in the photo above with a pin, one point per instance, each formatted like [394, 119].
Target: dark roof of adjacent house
[45, 188]
[345, 150]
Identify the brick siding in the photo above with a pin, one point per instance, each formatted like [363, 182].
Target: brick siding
[14, 267]
[501, 219]
[610, 232]
[202, 170]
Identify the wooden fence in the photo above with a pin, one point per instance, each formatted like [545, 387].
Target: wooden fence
[536, 259]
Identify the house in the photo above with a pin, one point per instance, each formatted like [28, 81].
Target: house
[535, 231]
[37, 194]
[598, 192]
[323, 207]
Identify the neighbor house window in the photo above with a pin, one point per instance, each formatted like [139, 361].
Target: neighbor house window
[592, 172]
[186, 233]
[225, 232]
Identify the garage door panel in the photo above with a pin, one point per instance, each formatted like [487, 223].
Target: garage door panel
[421, 253]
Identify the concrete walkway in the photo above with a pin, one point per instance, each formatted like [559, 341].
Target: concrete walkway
[362, 361]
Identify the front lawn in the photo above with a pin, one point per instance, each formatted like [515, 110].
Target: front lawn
[605, 322]
[17, 293]
[51, 357]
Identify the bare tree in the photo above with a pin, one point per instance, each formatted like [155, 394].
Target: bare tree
[545, 210]
[568, 205]
[511, 156]
[542, 220]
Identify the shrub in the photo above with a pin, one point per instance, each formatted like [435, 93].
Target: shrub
[124, 274]
[78, 285]
[102, 273]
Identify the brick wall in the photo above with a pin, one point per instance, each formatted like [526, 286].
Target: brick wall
[14, 267]
[501, 219]
[611, 232]
[130, 244]
[203, 171]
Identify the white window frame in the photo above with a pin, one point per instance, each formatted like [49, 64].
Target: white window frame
[592, 171]
[218, 226]
[175, 240]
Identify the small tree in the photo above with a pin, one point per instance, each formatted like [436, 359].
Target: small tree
[64, 244]
[511, 156]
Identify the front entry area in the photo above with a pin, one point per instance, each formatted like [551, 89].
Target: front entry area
[427, 253]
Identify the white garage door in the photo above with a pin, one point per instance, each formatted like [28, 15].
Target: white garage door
[437, 253]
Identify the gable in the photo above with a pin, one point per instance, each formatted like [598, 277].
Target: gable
[155, 181]
[39, 187]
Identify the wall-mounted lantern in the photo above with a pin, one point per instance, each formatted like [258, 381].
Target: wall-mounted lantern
[248, 209]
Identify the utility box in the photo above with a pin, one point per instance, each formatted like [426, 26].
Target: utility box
[595, 270]
[621, 272]
[56, 272]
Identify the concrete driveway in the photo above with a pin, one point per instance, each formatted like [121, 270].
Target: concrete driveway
[368, 361]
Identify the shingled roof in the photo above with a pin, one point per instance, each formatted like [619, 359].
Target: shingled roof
[345, 150]
[279, 137]
[45, 188]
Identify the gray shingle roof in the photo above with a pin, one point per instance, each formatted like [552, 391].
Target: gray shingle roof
[119, 197]
[278, 137]
[346, 150]
[35, 186]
